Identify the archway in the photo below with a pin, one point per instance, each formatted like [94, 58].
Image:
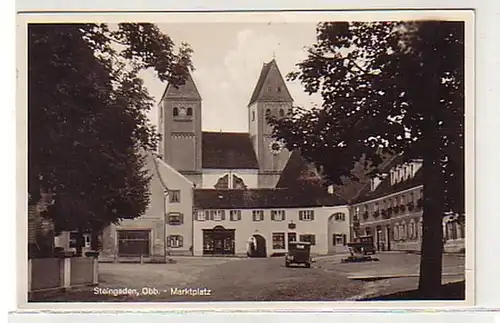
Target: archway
[337, 238]
[258, 248]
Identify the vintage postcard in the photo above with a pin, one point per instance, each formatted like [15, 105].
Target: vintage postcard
[245, 160]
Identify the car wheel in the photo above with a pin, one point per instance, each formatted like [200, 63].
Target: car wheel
[308, 265]
[287, 264]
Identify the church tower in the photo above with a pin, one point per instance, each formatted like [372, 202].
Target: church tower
[270, 97]
[180, 127]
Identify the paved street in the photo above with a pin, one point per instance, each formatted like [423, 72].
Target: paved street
[233, 279]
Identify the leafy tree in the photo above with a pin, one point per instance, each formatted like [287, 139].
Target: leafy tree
[388, 88]
[87, 127]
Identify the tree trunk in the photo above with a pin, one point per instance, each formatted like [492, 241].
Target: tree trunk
[431, 259]
[95, 244]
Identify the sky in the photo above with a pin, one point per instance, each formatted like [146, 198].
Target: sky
[228, 58]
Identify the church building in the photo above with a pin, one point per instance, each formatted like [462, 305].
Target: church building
[225, 159]
[214, 193]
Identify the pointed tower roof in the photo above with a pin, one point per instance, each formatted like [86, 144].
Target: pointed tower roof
[271, 85]
[188, 90]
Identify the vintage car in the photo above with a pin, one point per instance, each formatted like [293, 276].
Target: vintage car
[363, 245]
[299, 253]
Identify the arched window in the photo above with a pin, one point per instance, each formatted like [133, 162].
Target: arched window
[190, 112]
[282, 113]
[176, 112]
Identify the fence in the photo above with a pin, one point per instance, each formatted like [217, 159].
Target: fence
[45, 274]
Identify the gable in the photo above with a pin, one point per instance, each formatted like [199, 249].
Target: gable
[271, 85]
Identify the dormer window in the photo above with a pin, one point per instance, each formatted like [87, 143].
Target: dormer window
[190, 112]
[176, 112]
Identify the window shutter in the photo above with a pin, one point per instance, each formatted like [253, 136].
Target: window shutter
[253, 215]
[181, 241]
[239, 215]
[284, 216]
[273, 215]
[301, 215]
[313, 239]
[168, 241]
[334, 239]
[181, 218]
[223, 215]
[345, 239]
[312, 215]
[212, 215]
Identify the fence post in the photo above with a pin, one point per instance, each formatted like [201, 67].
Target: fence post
[142, 259]
[96, 271]
[30, 274]
[66, 268]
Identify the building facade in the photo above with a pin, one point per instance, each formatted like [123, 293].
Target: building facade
[390, 210]
[166, 226]
[226, 221]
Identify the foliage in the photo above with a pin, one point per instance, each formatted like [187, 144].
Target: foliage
[87, 123]
[387, 88]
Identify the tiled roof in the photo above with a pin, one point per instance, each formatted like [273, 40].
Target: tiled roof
[226, 150]
[270, 76]
[261, 198]
[299, 175]
[385, 187]
[187, 90]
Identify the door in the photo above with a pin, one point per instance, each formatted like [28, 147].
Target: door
[292, 236]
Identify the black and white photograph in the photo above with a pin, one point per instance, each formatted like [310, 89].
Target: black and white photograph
[237, 157]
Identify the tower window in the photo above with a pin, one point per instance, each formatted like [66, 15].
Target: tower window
[282, 113]
[176, 112]
[253, 115]
[279, 89]
[189, 112]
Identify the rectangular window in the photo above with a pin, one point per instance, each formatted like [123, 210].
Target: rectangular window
[175, 241]
[215, 215]
[258, 215]
[174, 196]
[175, 218]
[73, 238]
[200, 215]
[338, 239]
[339, 217]
[278, 240]
[306, 215]
[219, 215]
[308, 238]
[278, 215]
[235, 215]
[133, 242]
